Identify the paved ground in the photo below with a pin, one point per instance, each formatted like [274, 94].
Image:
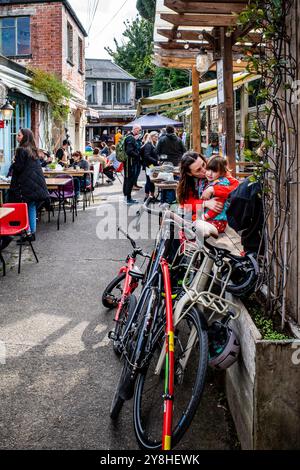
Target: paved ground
[60, 372]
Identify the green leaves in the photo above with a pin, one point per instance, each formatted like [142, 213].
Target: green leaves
[135, 53]
[57, 92]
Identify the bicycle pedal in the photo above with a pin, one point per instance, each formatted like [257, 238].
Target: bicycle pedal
[111, 335]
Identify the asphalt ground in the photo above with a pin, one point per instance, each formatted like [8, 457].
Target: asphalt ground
[58, 370]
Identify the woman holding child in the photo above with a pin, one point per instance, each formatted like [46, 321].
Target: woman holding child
[204, 188]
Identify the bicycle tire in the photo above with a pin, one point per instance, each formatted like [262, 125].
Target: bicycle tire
[106, 300]
[125, 313]
[125, 387]
[148, 409]
[119, 399]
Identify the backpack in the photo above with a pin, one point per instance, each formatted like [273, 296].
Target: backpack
[121, 155]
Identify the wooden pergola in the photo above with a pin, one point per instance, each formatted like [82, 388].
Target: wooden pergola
[183, 30]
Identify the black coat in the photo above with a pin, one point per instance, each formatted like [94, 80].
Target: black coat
[149, 155]
[28, 181]
[245, 214]
[132, 149]
[172, 146]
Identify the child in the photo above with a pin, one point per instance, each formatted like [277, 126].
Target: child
[216, 175]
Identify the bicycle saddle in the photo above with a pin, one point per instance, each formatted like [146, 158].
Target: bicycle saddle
[205, 229]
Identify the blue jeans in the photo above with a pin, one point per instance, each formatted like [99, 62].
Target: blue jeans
[32, 216]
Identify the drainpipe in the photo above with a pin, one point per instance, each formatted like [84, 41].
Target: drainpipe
[286, 229]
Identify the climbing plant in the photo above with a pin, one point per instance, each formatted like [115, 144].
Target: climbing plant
[275, 131]
[57, 92]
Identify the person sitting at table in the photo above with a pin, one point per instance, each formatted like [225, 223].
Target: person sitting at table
[112, 165]
[104, 149]
[28, 181]
[80, 182]
[44, 157]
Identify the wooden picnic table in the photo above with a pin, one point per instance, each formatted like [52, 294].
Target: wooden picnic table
[5, 211]
[78, 173]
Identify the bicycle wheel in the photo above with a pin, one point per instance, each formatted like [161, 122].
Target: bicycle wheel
[119, 397]
[189, 384]
[112, 293]
[126, 311]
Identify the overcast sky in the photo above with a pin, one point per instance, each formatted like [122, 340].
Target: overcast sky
[107, 23]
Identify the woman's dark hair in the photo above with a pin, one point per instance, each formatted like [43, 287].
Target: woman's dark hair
[187, 183]
[96, 151]
[218, 165]
[28, 143]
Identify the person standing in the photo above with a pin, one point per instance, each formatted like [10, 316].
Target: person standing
[149, 159]
[62, 154]
[118, 136]
[28, 182]
[171, 146]
[132, 150]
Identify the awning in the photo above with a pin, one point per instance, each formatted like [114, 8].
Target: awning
[92, 113]
[19, 82]
[207, 90]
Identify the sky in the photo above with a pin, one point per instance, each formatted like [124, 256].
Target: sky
[107, 23]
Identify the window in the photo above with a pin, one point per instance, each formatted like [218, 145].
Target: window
[91, 93]
[70, 42]
[15, 36]
[120, 93]
[80, 55]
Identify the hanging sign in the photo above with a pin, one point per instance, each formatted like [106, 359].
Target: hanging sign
[1, 124]
[220, 81]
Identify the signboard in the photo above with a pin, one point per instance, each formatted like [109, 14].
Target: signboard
[220, 81]
[1, 124]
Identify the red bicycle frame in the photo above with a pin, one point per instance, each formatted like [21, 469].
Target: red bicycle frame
[130, 284]
[169, 370]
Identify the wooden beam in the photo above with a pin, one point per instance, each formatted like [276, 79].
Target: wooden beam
[226, 100]
[196, 110]
[205, 7]
[199, 20]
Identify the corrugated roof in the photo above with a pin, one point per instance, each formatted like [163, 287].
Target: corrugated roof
[105, 69]
[65, 2]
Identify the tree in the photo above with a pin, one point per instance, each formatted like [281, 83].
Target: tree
[135, 55]
[169, 79]
[146, 8]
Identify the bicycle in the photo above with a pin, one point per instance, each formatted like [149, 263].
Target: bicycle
[125, 283]
[201, 313]
[147, 325]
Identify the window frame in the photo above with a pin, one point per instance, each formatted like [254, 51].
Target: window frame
[16, 34]
[121, 88]
[80, 55]
[70, 43]
[95, 95]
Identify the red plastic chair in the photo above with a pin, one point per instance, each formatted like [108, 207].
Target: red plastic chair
[16, 224]
[119, 170]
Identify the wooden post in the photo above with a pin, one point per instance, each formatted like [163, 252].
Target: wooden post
[244, 117]
[226, 99]
[196, 110]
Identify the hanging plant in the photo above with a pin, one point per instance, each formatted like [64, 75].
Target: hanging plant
[57, 92]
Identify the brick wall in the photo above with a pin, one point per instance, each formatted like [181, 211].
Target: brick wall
[48, 24]
[45, 34]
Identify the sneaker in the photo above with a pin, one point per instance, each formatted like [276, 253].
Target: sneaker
[137, 188]
[129, 202]
[109, 181]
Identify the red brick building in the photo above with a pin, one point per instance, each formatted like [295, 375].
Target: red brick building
[48, 35]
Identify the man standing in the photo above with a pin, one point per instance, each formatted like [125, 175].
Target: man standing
[171, 146]
[132, 151]
[62, 153]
